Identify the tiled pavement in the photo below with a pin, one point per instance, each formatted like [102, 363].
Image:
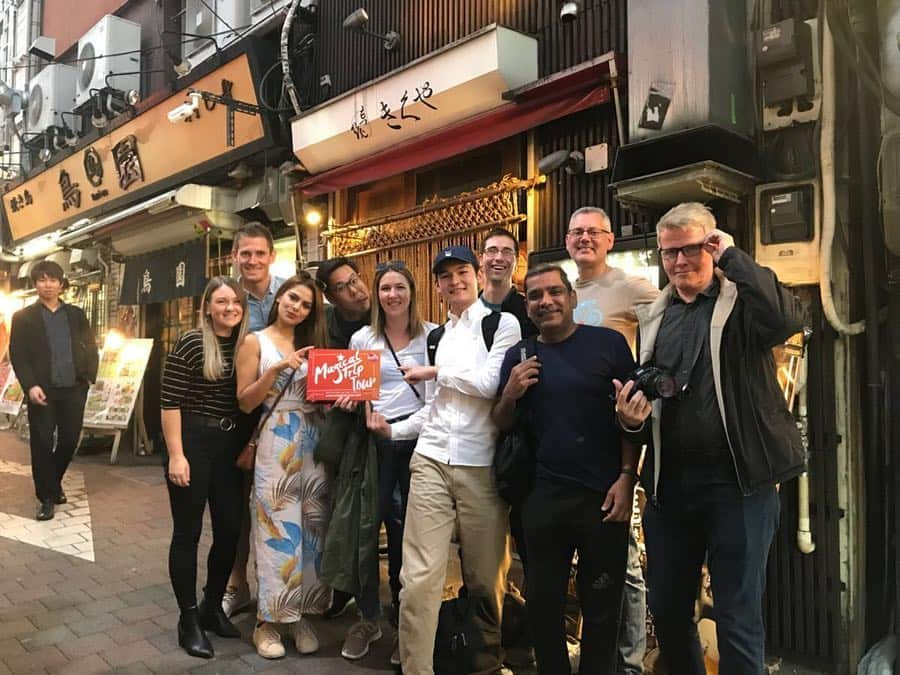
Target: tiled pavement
[88, 592]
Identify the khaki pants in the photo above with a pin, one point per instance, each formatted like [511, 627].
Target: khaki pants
[439, 495]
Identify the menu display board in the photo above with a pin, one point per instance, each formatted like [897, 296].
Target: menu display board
[111, 398]
[343, 372]
[11, 394]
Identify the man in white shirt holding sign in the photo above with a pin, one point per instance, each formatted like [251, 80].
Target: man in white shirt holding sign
[450, 471]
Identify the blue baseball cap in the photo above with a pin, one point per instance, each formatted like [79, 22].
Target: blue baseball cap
[458, 253]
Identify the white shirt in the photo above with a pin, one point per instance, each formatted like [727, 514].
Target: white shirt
[396, 399]
[455, 425]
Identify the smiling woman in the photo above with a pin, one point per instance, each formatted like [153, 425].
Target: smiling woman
[199, 408]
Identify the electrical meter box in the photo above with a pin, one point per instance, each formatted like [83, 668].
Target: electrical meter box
[788, 230]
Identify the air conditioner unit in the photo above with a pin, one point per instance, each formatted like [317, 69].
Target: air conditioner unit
[63, 259]
[221, 20]
[51, 92]
[111, 46]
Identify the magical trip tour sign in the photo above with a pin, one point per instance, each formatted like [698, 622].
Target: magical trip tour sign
[147, 149]
[343, 372]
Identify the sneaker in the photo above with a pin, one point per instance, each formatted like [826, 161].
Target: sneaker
[305, 638]
[395, 652]
[267, 640]
[359, 637]
[235, 599]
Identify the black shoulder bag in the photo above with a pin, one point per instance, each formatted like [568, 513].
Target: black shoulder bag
[514, 458]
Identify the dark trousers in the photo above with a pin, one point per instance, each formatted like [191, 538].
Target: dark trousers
[393, 473]
[63, 416]
[214, 479]
[560, 518]
[734, 533]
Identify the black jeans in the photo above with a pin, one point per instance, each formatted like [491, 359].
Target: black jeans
[393, 473]
[733, 532]
[63, 414]
[560, 518]
[215, 479]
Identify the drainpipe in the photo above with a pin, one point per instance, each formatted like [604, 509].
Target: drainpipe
[860, 24]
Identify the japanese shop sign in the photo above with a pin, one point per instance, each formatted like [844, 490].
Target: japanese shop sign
[343, 372]
[459, 81]
[145, 150]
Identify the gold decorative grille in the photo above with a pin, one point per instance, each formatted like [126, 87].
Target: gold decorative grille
[416, 235]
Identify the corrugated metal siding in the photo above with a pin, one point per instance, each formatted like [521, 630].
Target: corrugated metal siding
[427, 25]
[802, 605]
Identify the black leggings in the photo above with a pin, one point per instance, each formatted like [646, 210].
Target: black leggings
[214, 478]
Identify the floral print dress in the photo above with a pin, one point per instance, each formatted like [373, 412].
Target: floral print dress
[290, 501]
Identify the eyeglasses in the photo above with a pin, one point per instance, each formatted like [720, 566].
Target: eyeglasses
[352, 282]
[506, 251]
[390, 265]
[592, 232]
[689, 251]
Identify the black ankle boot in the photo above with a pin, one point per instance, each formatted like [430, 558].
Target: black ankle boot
[191, 636]
[212, 617]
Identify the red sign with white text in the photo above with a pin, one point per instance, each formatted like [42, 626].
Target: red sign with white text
[343, 372]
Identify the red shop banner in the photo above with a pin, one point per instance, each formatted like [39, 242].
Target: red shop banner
[343, 372]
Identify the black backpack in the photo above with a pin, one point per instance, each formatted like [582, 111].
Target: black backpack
[488, 327]
[459, 642]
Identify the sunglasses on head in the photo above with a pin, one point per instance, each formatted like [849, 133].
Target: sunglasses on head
[389, 265]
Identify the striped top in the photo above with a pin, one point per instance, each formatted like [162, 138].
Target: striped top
[183, 384]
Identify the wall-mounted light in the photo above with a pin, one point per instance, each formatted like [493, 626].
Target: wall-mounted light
[45, 153]
[312, 214]
[357, 22]
[43, 47]
[572, 162]
[569, 11]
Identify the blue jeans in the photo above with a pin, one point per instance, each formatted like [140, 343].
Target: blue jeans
[633, 624]
[733, 533]
[393, 473]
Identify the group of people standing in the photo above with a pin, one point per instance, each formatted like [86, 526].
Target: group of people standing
[556, 362]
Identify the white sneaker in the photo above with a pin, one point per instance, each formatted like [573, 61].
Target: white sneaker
[361, 634]
[305, 637]
[235, 599]
[395, 652]
[267, 640]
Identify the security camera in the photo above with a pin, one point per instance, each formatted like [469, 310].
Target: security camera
[569, 11]
[186, 111]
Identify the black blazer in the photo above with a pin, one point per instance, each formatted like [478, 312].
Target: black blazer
[29, 349]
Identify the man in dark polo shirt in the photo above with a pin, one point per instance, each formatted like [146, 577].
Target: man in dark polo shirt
[54, 354]
[585, 472]
[721, 446]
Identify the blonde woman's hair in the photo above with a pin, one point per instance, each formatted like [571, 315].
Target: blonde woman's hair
[687, 214]
[415, 327]
[214, 367]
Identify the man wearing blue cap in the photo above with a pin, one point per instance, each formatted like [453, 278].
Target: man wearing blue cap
[450, 472]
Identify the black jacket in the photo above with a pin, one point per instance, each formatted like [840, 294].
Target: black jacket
[29, 349]
[514, 303]
[753, 314]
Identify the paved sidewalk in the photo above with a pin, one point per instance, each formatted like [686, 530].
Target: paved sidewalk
[88, 592]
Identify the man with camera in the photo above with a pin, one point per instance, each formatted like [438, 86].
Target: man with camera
[564, 384]
[722, 438]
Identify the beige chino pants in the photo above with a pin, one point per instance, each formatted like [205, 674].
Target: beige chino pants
[439, 495]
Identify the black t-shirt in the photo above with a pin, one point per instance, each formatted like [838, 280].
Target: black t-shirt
[571, 409]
